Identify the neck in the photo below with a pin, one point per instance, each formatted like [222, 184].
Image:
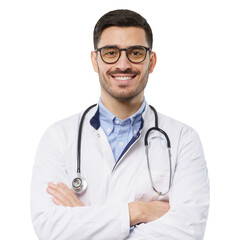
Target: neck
[122, 109]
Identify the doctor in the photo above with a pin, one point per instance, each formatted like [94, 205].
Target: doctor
[119, 202]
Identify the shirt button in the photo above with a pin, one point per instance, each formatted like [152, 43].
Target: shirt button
[135, 132]
[121, 144]
[108, 130]
[117, 122]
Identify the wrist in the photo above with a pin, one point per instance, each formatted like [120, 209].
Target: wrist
[136, 212]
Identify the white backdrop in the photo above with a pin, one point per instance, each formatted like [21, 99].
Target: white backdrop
[46, 75]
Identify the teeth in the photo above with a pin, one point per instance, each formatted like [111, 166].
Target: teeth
[123, 78]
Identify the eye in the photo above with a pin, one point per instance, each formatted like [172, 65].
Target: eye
[109, 52]
[137, 52]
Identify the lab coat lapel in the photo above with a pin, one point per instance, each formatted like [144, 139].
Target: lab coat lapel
[148, 120]
[107, 153]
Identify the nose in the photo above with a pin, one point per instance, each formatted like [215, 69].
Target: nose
[123, 63]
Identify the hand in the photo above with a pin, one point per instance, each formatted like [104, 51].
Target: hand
[144, 212]
[63, 196]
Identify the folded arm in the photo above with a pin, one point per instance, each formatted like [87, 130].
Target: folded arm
[64, 222]
[139, 212]
[57, 213]
[188, 197]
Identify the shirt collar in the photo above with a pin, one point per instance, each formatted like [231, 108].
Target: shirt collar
[136, 117]
[107, 119]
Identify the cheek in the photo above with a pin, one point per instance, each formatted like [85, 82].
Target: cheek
[103, 69]
[144, 70]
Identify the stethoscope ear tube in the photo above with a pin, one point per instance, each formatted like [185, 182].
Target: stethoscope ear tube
[79, 184]
[80, 138]
[159, 130]
[156, 128]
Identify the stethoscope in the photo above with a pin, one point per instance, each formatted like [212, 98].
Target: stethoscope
[79, 184]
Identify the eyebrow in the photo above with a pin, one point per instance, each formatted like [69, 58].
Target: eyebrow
[111, 46]
[115, 46]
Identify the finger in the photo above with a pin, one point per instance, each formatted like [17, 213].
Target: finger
[69, 193]
[58, 202]
[64, 194]
[66, 189]
[60, 195]
[62, 188]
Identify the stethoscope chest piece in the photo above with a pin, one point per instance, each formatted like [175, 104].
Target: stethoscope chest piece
[79, 184]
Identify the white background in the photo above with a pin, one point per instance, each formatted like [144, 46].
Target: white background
[46, 75]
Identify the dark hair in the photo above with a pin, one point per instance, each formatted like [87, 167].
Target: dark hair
[121, 18]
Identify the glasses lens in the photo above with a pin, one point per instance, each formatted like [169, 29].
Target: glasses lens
[136, 54]
[110, 54]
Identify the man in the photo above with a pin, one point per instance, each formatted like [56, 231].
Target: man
[120, 202]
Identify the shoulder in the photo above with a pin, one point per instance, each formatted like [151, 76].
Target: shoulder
[169, 122]
[185, 141]
[176, 127]
[62, 132]
[68, 122]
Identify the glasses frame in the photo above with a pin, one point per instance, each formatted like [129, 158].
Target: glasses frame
[123, 49]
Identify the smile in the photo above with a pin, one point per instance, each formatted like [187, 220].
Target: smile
[123, 78]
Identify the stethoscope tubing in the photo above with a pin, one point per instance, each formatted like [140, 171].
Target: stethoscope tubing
[156, 128]
[80, 137]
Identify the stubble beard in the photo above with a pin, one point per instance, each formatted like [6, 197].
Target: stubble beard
[122, 94]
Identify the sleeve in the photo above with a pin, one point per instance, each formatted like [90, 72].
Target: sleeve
[64, 223]
[188, 197]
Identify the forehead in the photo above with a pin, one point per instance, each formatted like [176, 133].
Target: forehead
[123, 37]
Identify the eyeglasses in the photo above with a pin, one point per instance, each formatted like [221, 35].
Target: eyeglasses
[135, 54]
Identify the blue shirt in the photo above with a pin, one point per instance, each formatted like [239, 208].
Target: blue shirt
[120, 132]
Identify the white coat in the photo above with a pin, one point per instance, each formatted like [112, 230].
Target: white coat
[111, 187]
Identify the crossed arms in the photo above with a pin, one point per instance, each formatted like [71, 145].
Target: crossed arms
[58, 214]
[139, 212]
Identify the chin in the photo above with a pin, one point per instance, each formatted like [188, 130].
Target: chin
[125, 97]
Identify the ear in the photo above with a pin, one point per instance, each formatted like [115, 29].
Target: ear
[153, 61]
[94, 60]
